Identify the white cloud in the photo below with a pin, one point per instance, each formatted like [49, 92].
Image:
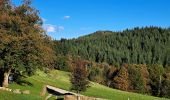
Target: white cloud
[53, 28]
[66, 17]
[60, 28]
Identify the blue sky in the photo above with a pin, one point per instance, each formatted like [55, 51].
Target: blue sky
[74, 18]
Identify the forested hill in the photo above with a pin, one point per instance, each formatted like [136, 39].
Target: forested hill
[149, 45]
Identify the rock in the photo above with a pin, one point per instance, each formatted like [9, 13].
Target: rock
[6, 89]
[17, 91]
[44, 90]
[26, 92]
[49, 96]
[73, 97]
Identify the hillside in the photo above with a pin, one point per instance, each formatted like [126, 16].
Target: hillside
[136, 60]
[149, 45]
[60, 79]
[131, 64]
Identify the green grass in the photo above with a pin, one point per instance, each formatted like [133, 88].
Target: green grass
[60, 79]
[4, 95]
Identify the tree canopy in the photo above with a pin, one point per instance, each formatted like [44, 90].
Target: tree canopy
[24, 46]
[79, 77]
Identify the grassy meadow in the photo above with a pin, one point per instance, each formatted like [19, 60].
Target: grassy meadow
[60, 79]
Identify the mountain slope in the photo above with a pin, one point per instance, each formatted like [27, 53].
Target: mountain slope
[149, 45]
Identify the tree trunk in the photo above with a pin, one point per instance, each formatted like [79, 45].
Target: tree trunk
[6, 76]
[108, 83]
[159, 87]
[78, 96]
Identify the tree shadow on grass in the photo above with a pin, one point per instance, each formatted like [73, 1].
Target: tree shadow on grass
[21, 80]
[24, 83]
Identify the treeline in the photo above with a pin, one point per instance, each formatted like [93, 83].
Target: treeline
[146, 79]
[149, 45]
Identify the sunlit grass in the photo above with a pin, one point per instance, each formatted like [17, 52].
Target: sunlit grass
[60, 79]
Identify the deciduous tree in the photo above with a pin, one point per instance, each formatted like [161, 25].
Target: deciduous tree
[121, 81]
[24, 46]
[79, 79]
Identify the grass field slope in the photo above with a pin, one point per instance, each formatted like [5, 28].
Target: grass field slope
[60, 79]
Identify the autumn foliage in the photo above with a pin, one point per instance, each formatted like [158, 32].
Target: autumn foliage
[24, 46]
[79, 75]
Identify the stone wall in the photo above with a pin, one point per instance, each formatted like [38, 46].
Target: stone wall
[73, 97]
